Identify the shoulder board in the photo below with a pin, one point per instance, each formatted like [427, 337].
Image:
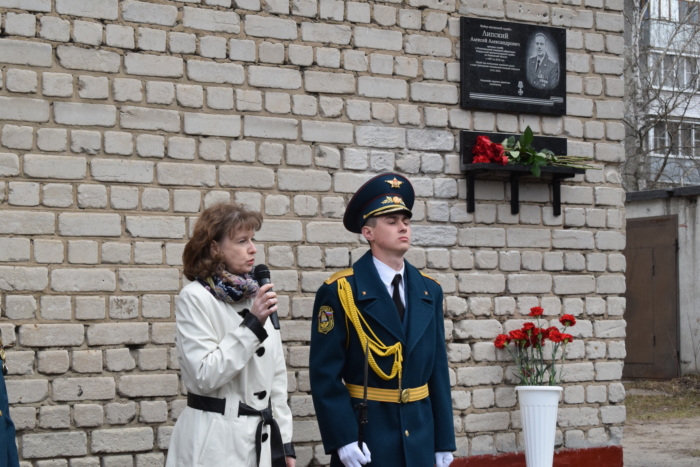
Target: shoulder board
[431, 278]
[344, 273]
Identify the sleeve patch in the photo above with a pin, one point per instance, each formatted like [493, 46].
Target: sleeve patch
[325, 319]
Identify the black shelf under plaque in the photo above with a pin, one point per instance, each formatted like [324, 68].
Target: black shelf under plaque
[552, 174]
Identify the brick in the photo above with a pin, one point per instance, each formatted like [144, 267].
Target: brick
[424, 235]
[211, 20]
[428, 45]
[23, 279]
[486, 422]
[325, 33]
[140, 118]
[270, 127]
[71, 443]
[249, 177]
[482, 283]
[20, 108]
[382, 87]
[153, 65]
[267, 26]
[430, 140]
[71, 113]
[381, 137]
[25, 53]
[54, 307]
[213, 125]
[481, 375]
[51, 335]
[373, 38]
[100, 9]
[89, 225]
[116, 170]
[482, 237]
[328, 232]
[170, 173]
[529, 283]
[27, 391]
[435, 93]
[569, 17]
[528, 238]
[17, 249]
[148, 386]
[326, 132]
[83, 280]
[142, 12]
[78, 58]
[117, 334]
[574, 284]
[122, 440]
[213, 72]
[9, 165]
[149, 279]
[572, 239]
[280, 231]
[270, 77]
[26, 223]
[329, 83]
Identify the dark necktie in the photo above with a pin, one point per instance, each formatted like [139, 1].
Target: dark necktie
[397, 296]
[538, 65]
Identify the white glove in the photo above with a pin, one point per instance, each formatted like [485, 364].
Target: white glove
[351, 456]
[443, 459]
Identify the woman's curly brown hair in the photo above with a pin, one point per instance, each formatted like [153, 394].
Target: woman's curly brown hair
[215, 223]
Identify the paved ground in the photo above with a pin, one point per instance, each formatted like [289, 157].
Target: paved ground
[666, 443]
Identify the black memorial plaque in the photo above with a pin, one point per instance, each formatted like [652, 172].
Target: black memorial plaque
[513, 66]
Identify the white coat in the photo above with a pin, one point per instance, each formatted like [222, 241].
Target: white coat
[218, 359]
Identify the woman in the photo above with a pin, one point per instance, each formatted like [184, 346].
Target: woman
[231, 357]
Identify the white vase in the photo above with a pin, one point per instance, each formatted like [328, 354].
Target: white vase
[538, 413]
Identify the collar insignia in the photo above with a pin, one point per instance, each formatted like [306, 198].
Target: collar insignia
[394, 183]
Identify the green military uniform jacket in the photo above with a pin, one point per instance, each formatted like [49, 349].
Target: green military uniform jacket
[397, 434]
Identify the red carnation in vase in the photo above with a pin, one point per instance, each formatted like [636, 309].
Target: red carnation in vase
[501, 341]
[566, 338]
[536, 311]
[517, 335]
[568, 320]
[528, 326]
[554, 335]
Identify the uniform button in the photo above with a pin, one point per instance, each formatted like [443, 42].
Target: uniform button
[407, 433]
[260, 352]
[261, 395]
[264, 437]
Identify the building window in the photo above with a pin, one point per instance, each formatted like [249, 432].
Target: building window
[677, 139]
[688, 12]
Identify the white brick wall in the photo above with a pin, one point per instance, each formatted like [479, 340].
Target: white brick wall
[110, 147]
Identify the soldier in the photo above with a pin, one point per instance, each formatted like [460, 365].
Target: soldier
[387, 306]
[8, 445]
[542, 72]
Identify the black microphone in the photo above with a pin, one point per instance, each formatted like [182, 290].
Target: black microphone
[262, 274]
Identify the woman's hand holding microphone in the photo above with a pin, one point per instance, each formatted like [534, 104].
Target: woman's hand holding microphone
[264, 303]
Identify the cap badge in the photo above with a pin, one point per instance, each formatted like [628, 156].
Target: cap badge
[394, 183]
[393, 200]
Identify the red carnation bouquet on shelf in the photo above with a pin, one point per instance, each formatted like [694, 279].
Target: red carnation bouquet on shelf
[487, 152]
[521, 151]
[528, 349]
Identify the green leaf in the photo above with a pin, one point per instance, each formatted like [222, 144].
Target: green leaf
[527, 137]
[510, 142]
[536, 171]
[547, 152]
